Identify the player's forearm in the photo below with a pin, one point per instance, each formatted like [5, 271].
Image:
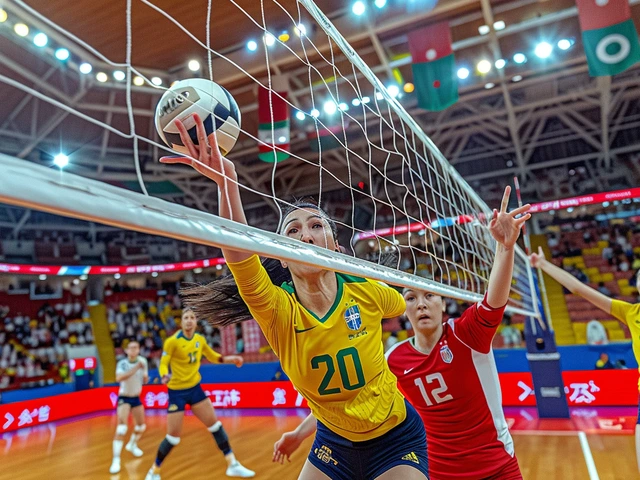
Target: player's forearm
[500, 277]
[576, 286]
[163, 369]
[307, 427]
[123, 376]
[231, 208]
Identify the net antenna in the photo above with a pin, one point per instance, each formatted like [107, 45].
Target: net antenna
[435, 222]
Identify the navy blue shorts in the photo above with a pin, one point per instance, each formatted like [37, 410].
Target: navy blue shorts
[179, 399]
[638, 420]
[133, 401]
[341, 459]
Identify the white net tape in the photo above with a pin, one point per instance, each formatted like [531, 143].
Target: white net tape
[408, 181]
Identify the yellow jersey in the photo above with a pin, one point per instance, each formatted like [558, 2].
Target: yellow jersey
[629, 314]
[336, 362]
[184, 355]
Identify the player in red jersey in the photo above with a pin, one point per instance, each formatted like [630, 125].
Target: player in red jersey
[448, 373]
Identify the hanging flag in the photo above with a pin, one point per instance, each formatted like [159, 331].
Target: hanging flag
[273, 120]
[434, 68]
[326, 138]
[609, 36]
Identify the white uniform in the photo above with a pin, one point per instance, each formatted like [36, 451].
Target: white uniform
[132, 386]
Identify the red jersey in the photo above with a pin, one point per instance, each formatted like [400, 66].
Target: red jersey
[455, 390]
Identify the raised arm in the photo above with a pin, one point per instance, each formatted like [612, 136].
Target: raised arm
[570, 282]
[209, 162]
[505, 229]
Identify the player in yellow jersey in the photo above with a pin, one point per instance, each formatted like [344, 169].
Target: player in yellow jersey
[182, 353]
[627, 313]
[326, 330]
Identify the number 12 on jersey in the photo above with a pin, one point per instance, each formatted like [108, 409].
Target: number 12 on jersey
[436, 390]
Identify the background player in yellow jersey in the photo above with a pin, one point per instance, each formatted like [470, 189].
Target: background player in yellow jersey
[627, 313]
[182, 353]
[326, 330]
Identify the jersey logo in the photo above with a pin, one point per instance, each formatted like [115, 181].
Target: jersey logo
[446, 354]
[352, 317]
[197, 344]
[411, 457]
[407, 371]
[324, 454]
[172, 408]
[304, 329]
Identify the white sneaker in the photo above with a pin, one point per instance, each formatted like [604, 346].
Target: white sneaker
[151, 475]
[237, 470]
[115, 466]
[133, 448]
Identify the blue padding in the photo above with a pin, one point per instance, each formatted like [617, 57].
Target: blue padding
[32, 393]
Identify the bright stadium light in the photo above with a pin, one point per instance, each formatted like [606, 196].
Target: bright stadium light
[484, 66]
[3, 15]
[138, 81]
[157, 81]
[365, 100]
[61, 160]
[315, 113]
[520, 58]
[380, 3]
[119, 75]
[379, 96]
[489, 85]
[42, 277]
[21, 29]
[358, 8]
[330, 107]
[393, 90]
[85, 68]
[500, 63]
[40, 40]
[355, 102]
[102, 77]
[252, 45]
[564, 44]
[300, 30]
[499, 25]
[484, 29]
[62, 54]
[194, 65]
[269, 40]
[463, 73]
[343, 107]
[543, 50]
[516, 78]
[300, 115]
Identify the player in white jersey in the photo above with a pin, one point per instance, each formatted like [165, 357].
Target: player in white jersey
[132, 372]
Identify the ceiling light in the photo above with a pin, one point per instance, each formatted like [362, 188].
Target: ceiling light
[194, 65]
[379, 96]
[355, 102]
[366, 100]
[300, 30]
[85, 68]
[543, 50]
[358, 8]
[484, 66]
[516, 78]
[269, 39]
[564, 44]
[300, 115]
[489, 85]
[463, 73]
[61, 160]
[330, 107]
[315, 113]
[119, 75]
[499, 25]
[138, 81]
[62, 54]
[393, 90]
[21, 29]
[483, 29]
[343, 107]
[252, 46]
[40, 40]
[157, 81]
[500, 63]
[102, 77]
[3, 15]
[520, 58]
[380, 3]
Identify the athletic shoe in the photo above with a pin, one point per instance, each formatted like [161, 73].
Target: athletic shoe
[115, 466]
[237, 470]
[151, 475]
[133, 448]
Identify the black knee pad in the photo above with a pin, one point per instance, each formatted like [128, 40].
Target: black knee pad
[221, 438]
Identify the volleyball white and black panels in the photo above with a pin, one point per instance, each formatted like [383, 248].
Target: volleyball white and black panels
[212, 102]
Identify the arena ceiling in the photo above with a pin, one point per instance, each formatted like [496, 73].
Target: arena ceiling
[561, 131]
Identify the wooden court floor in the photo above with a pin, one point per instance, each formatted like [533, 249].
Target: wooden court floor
[81, 449]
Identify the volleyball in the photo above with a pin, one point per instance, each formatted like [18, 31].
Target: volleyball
[212, 102]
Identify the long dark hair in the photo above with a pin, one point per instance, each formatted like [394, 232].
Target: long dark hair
[219, 301]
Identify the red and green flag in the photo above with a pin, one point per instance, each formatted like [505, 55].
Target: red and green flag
[327, 138]
[434, 67]
[273, 120]
[609, 36]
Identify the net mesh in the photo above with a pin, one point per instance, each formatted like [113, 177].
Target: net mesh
[357, 150]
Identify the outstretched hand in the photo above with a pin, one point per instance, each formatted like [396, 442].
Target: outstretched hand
[505, 226]
[283, 448]
[204, 157]
[537, 258]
